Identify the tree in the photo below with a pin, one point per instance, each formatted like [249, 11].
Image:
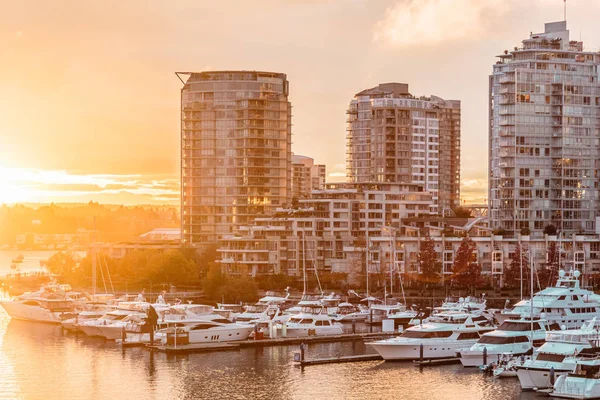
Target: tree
[512, 275]
[62, 264]
[430, 266]
[171, 267]
[466, 269]
[221, 287]
[550, 230]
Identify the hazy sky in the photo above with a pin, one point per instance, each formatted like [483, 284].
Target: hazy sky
[88, 87]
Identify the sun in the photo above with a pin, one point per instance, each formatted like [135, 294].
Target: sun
[13, 187]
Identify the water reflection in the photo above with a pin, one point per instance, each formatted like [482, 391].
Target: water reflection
[41, 361]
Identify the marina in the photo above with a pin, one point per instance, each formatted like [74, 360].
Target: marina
[85, 367]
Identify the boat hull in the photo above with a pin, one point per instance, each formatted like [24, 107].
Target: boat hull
[474, 358]
[538, 378]
[34, 313]
[391, 351]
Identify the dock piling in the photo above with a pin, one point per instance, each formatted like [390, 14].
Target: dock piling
[485, 356]
[421, 352]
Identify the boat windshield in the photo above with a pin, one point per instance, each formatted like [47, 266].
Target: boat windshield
[257, 308]
[518, 326]
[587, 371]
[426, 335]
[550, 357]
[115, 317]
[487, 339]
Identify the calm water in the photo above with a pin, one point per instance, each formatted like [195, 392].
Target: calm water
[40, 361]
[31, 260]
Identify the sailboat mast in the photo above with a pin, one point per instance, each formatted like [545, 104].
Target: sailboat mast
[303, 264]
[94, 261]
[531, 297]
[367, 260]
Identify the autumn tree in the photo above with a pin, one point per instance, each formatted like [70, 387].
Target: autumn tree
[429, 264]
[466, 269]
[512, 275]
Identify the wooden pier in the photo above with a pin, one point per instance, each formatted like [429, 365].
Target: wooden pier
[436, 361]
[341, 359]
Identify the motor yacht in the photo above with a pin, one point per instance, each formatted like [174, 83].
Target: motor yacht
[396, 312]
[582, 383]
[176, 315]
[512, 337]
[560, 353]
[566, 303]
[347, 312]
[440, 338]
[91, 311]
[310, 324]
[209, 331]
[91, 327]
[229, 311]
[258, 312]
[50, 304]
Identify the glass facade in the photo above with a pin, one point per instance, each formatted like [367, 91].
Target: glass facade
[544, 133]
[235, 150]
[395, 137]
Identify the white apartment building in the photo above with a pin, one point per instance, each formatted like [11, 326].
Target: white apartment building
[544, 133]
[395, 137]
[315, 235]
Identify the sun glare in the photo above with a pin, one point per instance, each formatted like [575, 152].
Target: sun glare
[10, 189]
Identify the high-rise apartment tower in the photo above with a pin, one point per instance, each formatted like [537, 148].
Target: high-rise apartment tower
[543, 135]
[395, 137]
[235, 150]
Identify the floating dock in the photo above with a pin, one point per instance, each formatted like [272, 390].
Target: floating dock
[437, 361]
[342, 359]
[282, 341]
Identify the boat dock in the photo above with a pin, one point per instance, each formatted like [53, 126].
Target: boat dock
[437, 361]
[341, 359]
[282, 341]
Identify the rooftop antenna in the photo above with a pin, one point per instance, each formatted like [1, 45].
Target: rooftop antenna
[565, 1]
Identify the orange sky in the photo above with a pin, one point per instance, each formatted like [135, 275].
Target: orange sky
[88, 87]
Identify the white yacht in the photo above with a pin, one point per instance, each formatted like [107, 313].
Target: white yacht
[91, 327]
[559, 352]
[566, 303]
[347, 312]
[258, 312]
[396, 312]
[229, 311]
[50, 304]
[441, 338]
[176, 315]
[582, 383]
[92, 311]
[209, 331]
[310, 324]
[512, 337]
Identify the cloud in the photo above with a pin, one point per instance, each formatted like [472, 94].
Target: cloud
[430, 22]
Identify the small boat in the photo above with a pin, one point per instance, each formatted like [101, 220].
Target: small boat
[18, 259]
[508, 365]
